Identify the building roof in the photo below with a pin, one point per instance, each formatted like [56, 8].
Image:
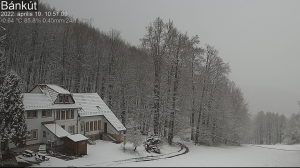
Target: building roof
[58, 89]
[50, 90]
[77, 137]
[35, 101]
[57, 130]
[92, 105]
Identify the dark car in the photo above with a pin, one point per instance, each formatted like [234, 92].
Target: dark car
[89, 141]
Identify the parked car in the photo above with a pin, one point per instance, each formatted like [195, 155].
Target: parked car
[41, 157]
[42, 149]
[28, 153]
[89, 141]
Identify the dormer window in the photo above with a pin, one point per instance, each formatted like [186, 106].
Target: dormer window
[64, 99]
[61, 98]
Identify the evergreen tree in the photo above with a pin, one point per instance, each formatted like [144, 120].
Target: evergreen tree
[153, 143]
[13, 127]
[2, 58]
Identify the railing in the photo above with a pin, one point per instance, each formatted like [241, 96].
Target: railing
[111, 137]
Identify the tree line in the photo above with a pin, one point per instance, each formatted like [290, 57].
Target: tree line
[168, 85]
[272, 128]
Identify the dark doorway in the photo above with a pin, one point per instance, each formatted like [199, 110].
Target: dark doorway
[105, 127]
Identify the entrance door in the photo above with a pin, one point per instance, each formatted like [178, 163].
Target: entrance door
[82, 131]
[105, 127]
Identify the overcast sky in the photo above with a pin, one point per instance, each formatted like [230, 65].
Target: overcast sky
[260, 39]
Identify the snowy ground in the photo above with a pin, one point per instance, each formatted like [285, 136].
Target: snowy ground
[109, 154]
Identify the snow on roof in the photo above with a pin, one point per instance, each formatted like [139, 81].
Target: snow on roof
[57, 130]
[58, 89]
[77, 137]
[92, 104]
[51, 90]
[51, 93]
[34, 101]
[64, 106]
[89, 102]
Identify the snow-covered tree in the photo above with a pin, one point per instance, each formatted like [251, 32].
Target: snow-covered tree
[13, 127]
[135, 137]
[292, 132]
[153, 144]
[2, 58]
[155, 42]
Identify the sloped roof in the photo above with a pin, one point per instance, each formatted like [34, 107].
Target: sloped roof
[92, 105]
[51, 93]
[57, 130]
[77, 137]
[51, 90]
[58, 89]
[35, 101]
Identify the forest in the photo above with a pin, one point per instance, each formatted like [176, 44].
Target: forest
[168, 85]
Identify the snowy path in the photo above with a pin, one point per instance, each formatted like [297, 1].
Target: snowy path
[109, 154]
[183, 150]
[267, 147]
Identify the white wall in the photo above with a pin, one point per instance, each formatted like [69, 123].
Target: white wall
[110, 128]
[36, 123]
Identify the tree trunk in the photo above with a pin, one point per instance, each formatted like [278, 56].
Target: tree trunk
[156, 96]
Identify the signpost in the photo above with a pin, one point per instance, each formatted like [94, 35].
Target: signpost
[124, 141]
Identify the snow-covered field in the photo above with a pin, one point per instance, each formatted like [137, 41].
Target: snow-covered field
[109, 154]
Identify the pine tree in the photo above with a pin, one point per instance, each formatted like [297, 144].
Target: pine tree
[153, 143]
[13, 127]
[2, 58]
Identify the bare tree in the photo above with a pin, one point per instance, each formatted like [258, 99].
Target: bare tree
[155, 42]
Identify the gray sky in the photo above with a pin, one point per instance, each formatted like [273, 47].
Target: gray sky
[260, 39]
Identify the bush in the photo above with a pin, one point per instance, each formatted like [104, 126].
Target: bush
[135, 137]
[153, 144]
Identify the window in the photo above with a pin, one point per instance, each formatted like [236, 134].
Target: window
[67, 114]
[99, 124]
[87, 126]
[43, 113]
[82, 128]
[95, 125]
[63, 126]
[61, 98]
[49, 114]
[28, 135]
[72, 113]
[34, 134]
[44, 134]
[46, 113]
[91, 125]
[66, 99]
[63, 112]
[58, 114]
[71, 129]
[34, 114]
[31, 114]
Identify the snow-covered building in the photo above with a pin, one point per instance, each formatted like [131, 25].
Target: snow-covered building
[95, 119]
[54, 115]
